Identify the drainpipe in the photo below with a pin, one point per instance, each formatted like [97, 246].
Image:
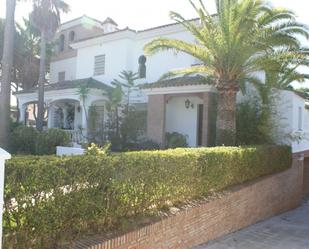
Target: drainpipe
[3, 157]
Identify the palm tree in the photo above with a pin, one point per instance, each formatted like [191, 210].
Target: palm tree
[83, 92]
[6, 65]
[231, 47]
[46, 18]
[284, 72]
[26, 59]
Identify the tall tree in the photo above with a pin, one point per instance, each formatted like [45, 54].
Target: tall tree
[113, 105]
[286, 70]
[46, 18]
[25, 69]
[129, 83]
[27, 53]
[231, 47]
[6, 65]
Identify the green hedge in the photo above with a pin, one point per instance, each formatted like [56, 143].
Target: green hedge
[50, 199]
[28, 141]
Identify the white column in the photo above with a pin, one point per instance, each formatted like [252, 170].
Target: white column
[76, 115]
[50, 121]
[65, 117]
[3, 157]
[84, 118]
[22, 112]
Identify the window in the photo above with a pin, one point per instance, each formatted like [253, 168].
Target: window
[99, 65]
[72, 36]
[300, 118]
[61, 76]
[61, 43]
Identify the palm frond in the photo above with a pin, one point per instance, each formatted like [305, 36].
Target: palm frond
[165, 44]
[188, 71]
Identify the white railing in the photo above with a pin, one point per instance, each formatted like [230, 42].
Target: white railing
[76, 136]
[3, 157]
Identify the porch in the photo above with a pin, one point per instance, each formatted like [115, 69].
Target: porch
[186, 105]
[64, 107]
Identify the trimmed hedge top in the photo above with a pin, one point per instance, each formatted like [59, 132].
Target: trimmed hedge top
[49, 200]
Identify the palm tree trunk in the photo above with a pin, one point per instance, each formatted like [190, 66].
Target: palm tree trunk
[18, 110]
[39, 123]
[7, 64]
[226, 118]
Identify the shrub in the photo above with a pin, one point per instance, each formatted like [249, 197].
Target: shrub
[253, 125]
[14, 125]
[176, 140]
[147, 144]
[23, 140]
[27, 140]
[95, 150]
[134, 124]
[48, 140]
[133, 128]
[52, 199]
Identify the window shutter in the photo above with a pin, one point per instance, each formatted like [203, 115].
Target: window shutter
[99, 65]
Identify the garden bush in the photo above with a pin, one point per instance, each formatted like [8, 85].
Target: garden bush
[48, 140]
[27, 140]
[175, 140]
[253, 125]
[49, 199]
[23, 140]
[147, 144]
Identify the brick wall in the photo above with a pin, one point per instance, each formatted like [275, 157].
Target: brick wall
[156, 118]
[306, 176]
[240, 207]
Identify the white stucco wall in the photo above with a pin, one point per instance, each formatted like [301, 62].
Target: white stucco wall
[68, 66]
[285, 118]
[123, 53]
[182, 120]
[290, 128]
[115, 60]
[162, 62]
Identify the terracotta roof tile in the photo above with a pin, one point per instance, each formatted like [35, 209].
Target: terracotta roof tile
[90, 82]
[137, 32]
[176, 82]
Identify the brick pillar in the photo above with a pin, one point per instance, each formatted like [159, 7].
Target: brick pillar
[209, 119]
[306, 177]
[156, 118]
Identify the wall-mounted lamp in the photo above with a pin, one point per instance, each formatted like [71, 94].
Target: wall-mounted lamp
[189, 104]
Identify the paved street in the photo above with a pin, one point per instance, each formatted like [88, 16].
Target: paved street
[287, 231]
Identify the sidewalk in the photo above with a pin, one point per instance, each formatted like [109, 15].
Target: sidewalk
[287, 231]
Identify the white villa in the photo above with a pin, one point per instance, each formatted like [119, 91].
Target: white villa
[93, 53]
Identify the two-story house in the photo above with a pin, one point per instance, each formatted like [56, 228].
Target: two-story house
[93, 53]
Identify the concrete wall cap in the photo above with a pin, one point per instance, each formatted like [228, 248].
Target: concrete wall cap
[4, 155]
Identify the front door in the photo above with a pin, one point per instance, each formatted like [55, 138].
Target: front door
[200, 111]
